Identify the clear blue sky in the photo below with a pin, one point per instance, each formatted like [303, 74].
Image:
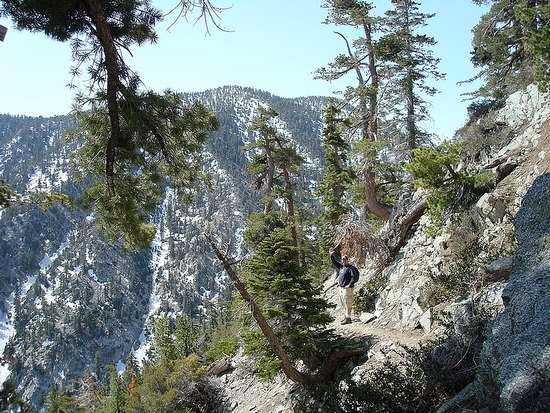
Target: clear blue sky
[274, 45]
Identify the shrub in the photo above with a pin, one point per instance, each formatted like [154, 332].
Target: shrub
[176, 387]
[267, 363]
[435, 169]
[222, 347]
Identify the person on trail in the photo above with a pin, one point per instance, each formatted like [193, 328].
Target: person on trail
[347, 276]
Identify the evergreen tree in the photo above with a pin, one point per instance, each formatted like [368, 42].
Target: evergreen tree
[511, 46]
[274, 166]
[412, 63]
[146, 164]
[276, 272]
[59, 402]
[163, 343]
[285, 292]
[131, 133]
[116, 399]
[361, 60]
[338, 175]
[132, 372]
[6, 195]
[185, 336]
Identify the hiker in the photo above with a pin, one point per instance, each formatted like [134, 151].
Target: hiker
[347, 276]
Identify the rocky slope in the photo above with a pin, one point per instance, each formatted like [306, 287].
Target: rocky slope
[70, 302]
[459, 279]
[483, 278]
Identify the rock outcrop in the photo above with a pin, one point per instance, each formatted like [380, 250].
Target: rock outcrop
[507, 301]
[515, 374]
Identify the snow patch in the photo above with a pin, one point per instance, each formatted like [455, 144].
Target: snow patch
[120, 367]
[7, 331]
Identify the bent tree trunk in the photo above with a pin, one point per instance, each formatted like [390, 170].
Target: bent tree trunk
[371, 198]
[369, 121]
[324, 374]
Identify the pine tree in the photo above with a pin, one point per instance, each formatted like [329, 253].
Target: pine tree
[361, 60]
[131, 379]
[131, 372]
[185, 336]
[163, 342]
[147, 164]
[412, 63]
[511, 46]
[6, 195]
[276, 272]
[59, 402]
[274, 166]
[117, 395]
[285, 292]
[144, 132]
[338, 175]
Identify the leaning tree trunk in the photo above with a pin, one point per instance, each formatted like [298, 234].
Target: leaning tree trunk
[324, 374]
[288, 368]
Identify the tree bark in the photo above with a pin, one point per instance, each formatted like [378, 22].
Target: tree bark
[372, 203]
[269, 180]
[292, 215]
[95, 12]
[288, 368]
[396, 237]
[375, 85]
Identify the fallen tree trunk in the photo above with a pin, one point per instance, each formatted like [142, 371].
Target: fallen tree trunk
[324, 374]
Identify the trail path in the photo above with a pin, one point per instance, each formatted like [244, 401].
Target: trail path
[360, 330]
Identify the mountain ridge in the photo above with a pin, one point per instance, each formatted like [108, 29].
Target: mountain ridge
[67, 287]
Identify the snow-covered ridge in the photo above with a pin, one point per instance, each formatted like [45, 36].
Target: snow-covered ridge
[87, 304]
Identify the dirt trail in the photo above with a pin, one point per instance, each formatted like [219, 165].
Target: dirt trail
[360, 330]
[368, 331]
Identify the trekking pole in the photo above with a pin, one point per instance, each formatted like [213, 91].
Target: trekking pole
[331, 286]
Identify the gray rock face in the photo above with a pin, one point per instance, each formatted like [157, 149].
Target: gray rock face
[516, 357]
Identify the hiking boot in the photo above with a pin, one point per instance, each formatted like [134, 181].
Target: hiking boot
[346, 321]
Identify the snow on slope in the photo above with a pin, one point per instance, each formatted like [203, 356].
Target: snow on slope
[6, 332]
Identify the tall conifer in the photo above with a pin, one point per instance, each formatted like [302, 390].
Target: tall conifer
[412, 63]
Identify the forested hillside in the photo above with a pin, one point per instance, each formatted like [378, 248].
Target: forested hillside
[230, 250]
[75, 302]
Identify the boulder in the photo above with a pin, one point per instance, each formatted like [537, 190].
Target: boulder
[219, 367]
[498, 270]
[425, 320]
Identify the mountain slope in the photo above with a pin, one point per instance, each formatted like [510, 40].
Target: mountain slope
[69, 301]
